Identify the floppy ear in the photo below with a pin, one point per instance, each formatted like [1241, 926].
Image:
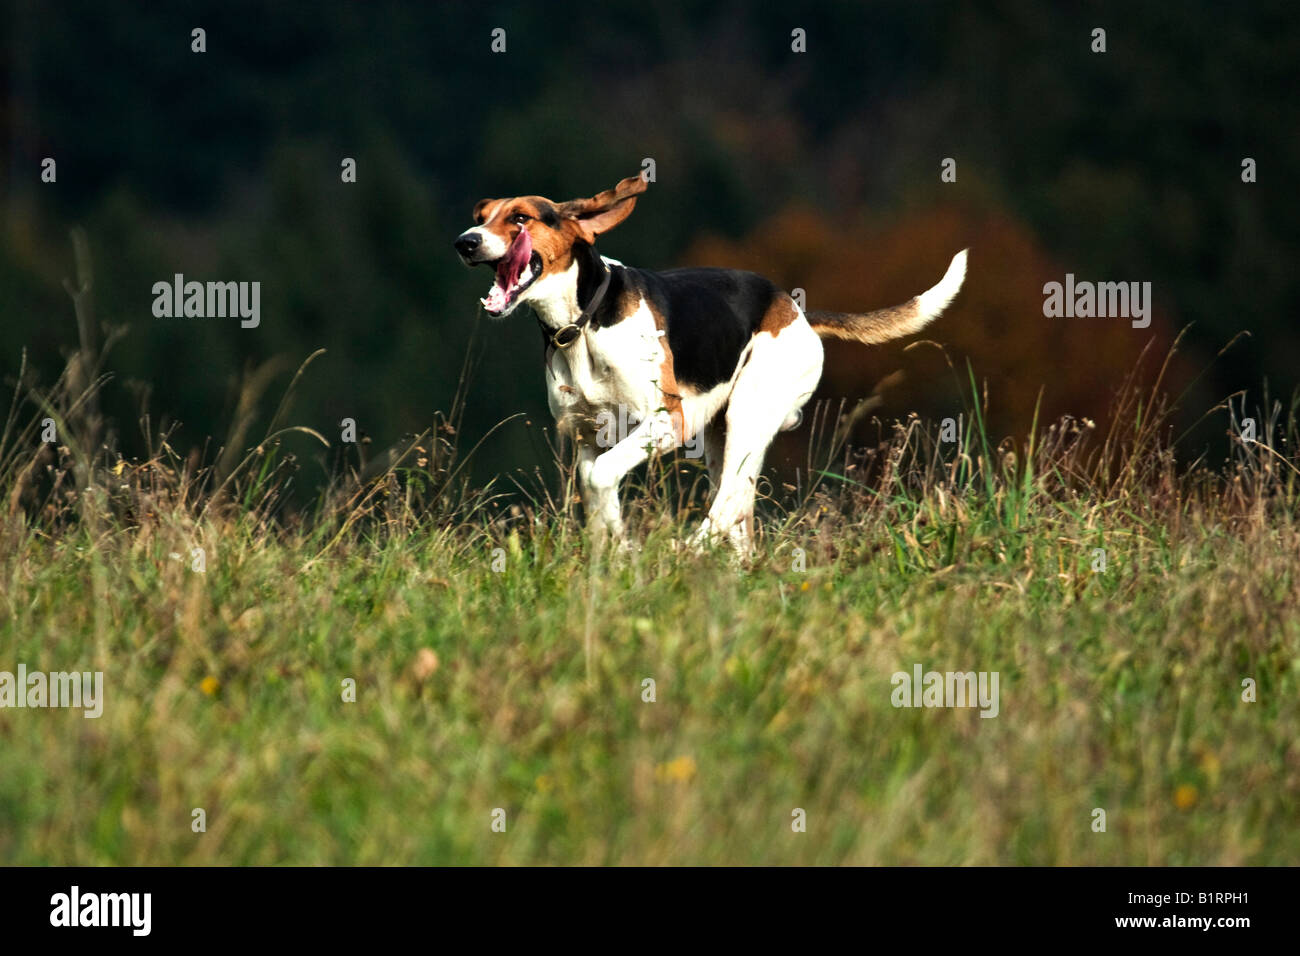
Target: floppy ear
[603, 211]
[481, 205]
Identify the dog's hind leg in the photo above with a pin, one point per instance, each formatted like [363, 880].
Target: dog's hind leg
[779, 377]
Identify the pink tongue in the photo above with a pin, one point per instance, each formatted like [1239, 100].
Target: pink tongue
[516, 257]
[509, 269]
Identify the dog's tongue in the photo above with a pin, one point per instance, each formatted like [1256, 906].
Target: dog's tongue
[516, 257]
[509, 269]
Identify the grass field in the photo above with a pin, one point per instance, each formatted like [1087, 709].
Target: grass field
[500, 661]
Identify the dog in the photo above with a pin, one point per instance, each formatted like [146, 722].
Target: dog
[715, 356]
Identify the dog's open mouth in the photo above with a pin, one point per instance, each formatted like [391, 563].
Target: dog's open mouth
[519, 268]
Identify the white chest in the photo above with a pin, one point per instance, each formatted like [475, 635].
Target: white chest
[617, 370]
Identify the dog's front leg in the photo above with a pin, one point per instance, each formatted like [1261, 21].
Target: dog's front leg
[601, 473]
[599, 498]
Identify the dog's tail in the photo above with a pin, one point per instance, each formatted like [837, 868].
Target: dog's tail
[872, 328]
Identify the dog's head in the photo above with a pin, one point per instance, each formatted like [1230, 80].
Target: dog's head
[528, 238]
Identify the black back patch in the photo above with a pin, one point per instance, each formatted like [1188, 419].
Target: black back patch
[710, 315]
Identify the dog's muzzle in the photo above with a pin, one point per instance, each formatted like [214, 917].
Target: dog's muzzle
[468, 245]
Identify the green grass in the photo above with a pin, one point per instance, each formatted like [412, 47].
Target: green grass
[773, 691]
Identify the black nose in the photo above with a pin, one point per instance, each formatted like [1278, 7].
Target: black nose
[467, 242]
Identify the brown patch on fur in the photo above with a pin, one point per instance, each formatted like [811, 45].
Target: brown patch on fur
[483, 210]
[670, 391]
[779, 314]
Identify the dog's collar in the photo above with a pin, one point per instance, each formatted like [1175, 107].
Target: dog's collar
[566, 335]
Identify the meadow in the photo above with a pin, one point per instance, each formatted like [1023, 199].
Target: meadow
[414, 670]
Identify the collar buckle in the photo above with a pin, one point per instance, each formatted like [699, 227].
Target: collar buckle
[566, 336]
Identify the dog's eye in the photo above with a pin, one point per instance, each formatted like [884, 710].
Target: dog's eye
[520, 218]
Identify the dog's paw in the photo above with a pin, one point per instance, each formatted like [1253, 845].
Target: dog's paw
[709, 538]
[704, 539]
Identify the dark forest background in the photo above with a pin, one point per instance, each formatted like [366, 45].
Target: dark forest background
[820, 169]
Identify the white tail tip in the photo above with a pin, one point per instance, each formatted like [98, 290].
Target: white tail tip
[933, 301]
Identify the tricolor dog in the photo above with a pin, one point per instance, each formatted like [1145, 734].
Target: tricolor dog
[718, 355]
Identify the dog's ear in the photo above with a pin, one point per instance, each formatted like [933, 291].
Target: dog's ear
[481, 206]
[603, 211]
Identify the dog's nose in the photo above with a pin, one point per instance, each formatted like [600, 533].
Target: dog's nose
[467, 242]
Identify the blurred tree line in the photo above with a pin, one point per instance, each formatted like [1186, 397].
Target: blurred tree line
[820, 168]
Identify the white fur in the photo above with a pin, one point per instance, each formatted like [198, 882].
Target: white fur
[617, 370]
[772, 384]
[611, 367]
[554, 297]
[614, 372]
[930, 303]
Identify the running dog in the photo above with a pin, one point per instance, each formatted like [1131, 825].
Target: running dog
[718, 356]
